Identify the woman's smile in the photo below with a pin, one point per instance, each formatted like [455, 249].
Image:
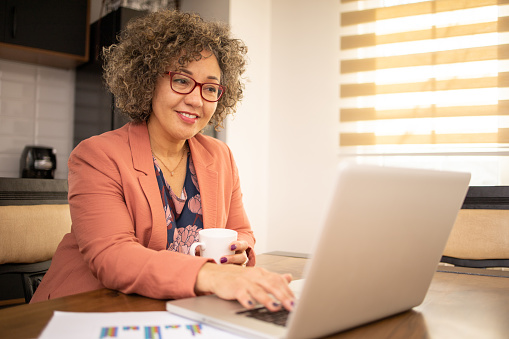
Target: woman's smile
[188, 117]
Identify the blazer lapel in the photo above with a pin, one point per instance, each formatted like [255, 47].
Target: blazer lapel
[208, 180]
[142, 162]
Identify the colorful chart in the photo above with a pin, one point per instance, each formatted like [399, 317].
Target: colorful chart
[109, 332]
[129, 325]
[150, 332]
[195, 329]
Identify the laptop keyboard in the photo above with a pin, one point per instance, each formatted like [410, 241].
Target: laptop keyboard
[278, 317]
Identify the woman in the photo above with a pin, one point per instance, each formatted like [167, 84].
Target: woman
[139, 195]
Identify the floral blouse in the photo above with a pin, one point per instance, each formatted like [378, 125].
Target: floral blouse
[184, 217]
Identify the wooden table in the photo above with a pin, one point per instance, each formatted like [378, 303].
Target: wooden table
[461, 303]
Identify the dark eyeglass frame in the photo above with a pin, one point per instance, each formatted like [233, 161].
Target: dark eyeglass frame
[196, 83]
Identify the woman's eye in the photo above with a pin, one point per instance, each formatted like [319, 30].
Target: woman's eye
[211, 89]
[180, 81]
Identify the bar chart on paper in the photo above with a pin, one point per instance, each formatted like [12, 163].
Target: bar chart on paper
[128, 325]
[152, 332]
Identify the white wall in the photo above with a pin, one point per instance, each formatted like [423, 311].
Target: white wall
[247, 133]
[304, 119]
[284, 136]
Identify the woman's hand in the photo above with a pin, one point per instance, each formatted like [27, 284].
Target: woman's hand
[248, 285]
[240, 256]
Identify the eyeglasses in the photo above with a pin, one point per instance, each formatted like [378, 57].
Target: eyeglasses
[183, 84]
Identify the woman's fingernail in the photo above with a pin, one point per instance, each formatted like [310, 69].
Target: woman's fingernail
[250, 302]
[275, 304]
[233, 247]
[223, 260]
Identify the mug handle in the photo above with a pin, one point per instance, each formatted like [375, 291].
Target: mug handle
[192, 250]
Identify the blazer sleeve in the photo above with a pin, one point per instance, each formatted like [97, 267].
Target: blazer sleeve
[112, 223]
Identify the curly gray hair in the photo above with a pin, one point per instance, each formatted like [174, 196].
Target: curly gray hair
[149, 44]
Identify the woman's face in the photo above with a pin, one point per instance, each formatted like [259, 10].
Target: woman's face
[178, 117]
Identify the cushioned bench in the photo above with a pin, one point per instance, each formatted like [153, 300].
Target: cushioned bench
[34, 216]
[480, 237]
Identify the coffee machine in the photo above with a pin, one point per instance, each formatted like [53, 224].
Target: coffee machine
[38, 162]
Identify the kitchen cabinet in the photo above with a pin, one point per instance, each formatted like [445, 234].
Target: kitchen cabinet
[47, 32]
[94, 106]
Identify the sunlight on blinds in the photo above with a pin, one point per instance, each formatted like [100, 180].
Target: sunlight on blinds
[428, 77]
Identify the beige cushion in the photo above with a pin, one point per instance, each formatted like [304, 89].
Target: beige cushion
[31, 233]
[479, 234]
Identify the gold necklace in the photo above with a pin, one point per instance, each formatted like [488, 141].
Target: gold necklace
[171, 172]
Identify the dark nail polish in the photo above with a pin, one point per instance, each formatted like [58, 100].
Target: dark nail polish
[275, 304]
[250, 302]
[233, 247]
[223, 260]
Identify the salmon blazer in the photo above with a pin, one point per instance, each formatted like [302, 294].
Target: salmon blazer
[118, 233]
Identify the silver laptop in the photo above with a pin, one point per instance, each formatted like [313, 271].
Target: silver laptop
[381, 241]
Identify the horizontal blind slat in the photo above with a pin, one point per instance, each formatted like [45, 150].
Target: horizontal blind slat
[424, 59]
[367, 114]
[406, 10]
[371, 39]
[358, 90]
[370, 139]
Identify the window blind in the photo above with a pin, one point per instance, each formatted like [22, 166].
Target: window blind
[424, 76]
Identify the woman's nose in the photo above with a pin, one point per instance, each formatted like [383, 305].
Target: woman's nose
[194, 98]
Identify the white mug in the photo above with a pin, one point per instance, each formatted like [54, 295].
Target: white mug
[214, 243]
